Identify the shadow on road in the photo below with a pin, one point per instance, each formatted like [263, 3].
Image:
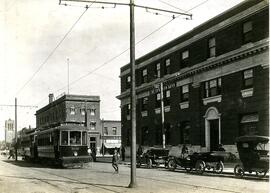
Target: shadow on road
[22, 163]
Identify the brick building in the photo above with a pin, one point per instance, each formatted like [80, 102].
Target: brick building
[215, 82]
[73, 109]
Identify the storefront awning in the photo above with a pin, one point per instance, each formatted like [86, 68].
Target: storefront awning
[250, 118]
[112, 145]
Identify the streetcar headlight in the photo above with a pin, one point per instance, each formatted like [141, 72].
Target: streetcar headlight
[75, 153]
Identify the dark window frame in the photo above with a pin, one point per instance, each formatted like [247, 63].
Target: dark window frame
[247, 34]
[184, 95]
[167, 66]
[211, 46]
[144, 103]
[210, 90]
[248, 82]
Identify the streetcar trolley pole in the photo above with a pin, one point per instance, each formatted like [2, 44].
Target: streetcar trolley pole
[133, 182]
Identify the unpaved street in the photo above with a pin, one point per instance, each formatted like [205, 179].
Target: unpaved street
[98, 177]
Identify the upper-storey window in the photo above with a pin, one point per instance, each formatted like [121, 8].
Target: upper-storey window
[144, 103]
[72, 110]
[158, 97]
[167, 98]
[157, 72]
[114, 130]
[212, 47]
[184, 93]
[82, 111]
[212, 87]
[128, 107]
[93, 112]
[144, 75]
[184, 58]
[248, 78]
[167, 69]
[247, 32]
[128, 81]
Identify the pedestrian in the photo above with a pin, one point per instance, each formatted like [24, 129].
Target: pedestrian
[184, 151]
[94, 154]
[11, 154]
[123, 152]
[220, 147]
[115, 161]
[140, 151]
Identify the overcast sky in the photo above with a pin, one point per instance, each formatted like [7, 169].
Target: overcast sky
[31, 29]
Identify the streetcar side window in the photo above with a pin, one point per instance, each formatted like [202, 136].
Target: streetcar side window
[75, 138]
[84, 138]
[64, 138]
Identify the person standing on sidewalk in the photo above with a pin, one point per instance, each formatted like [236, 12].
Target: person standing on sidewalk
[115, 161]
[123, 152]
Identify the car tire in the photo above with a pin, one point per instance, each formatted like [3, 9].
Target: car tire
[200, 167]
[239, 171]
[171, 165]
[219, 167]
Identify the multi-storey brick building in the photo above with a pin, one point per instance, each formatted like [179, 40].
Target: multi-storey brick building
[73, 109]
[215, 80]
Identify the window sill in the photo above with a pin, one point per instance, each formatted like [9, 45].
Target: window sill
[212, 99]
[247, 92]
[167, 109]
[184, 105]
[157, 110]
[144, 113]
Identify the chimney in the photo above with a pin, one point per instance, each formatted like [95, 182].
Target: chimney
[51, 98]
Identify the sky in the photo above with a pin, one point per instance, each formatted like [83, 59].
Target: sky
[38, 38]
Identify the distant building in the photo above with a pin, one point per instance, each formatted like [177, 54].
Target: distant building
[73, 109]
[215, 82]
[9, 131]
[110, 136]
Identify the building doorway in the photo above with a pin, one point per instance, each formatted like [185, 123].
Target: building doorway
[212, 129]
[93, 142]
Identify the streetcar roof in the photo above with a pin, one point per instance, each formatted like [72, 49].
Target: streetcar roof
[65, 127]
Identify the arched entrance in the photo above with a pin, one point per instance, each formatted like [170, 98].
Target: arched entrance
[212, 129]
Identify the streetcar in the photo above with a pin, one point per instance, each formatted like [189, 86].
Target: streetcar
[65, 145]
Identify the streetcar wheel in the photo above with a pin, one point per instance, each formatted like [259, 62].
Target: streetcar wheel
[171, 165]
[200, 167]
[219, 167]
[239, 171]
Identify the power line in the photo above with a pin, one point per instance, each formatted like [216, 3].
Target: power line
[51, 53]
[121, 53]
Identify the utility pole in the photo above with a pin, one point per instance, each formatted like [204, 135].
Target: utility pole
[16, 145]
[162, 115]
[131, 4]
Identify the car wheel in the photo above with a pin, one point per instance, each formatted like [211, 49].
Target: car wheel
[219, 167]
[171, 165]
[261, 174]
[239, 171]
[200, 166]
[149, 163]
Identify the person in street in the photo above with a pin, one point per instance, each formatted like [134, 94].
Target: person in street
[184, 151]
[94, 154]
[123, 152]
[11, 154]
[115, 160]
[140, 150]
[220, 147]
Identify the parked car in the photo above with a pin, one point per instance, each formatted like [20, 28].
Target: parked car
[153, 157]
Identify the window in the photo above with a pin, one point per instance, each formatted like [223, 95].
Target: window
[128, 107]
[82, 111]
[212, 87]
[128, 82]
[92, 125]
[84, 138]
[248, 78]
[105, 131]
[185, 131]
[64, 137]
[212, 47]
[114, 130]
[247, 32]
[75, 138]
[157, 74]
[167, 98]
[184, 58]
[144, 75]
[92, 112]
[72, 110]
[158, 104]
[144, 103]
[184, 93]
[167, 66]
[248, 124]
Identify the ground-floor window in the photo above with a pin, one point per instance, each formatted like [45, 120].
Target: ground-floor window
[185, 132]
[248, 124]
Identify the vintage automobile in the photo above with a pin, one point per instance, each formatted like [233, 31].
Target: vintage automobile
[199, 162]
[153, 157]
[254, 155]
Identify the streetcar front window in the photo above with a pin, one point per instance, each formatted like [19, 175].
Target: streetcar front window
[64, 138]
[84, 138]
[75, 138]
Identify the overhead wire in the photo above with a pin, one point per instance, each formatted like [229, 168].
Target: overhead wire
[124, 51]
[51, 53]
